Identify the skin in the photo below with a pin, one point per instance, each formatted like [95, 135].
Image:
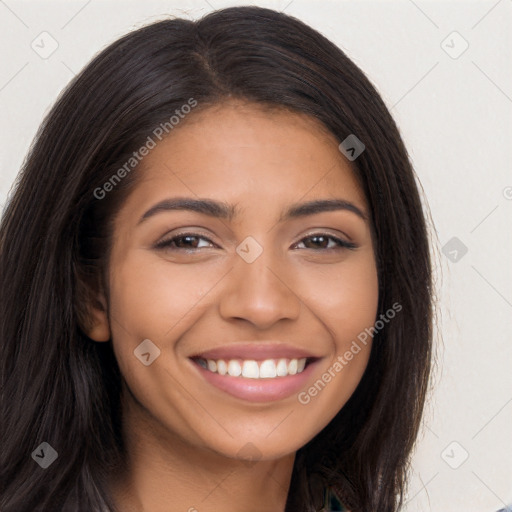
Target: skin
[183, 435]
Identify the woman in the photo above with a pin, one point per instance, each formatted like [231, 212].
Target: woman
[216, 281]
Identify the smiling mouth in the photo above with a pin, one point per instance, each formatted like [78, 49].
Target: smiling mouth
[252, 369]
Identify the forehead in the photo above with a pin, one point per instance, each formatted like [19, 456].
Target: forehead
[245, 153]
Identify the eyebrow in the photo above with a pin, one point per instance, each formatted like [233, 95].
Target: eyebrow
[227, 211]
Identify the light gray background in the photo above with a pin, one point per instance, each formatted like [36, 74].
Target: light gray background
[455, 115]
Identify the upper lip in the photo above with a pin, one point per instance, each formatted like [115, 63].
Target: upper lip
[254, 350]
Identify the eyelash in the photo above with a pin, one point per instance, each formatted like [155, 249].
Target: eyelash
[166, 244]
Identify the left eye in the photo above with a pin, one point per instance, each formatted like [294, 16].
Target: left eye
[322, 238]
[190, 241]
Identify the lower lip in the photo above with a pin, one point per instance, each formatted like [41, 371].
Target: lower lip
[258, 390]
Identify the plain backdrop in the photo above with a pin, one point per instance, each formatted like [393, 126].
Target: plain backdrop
[443, 68]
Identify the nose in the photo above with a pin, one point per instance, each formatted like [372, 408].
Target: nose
[260, 292]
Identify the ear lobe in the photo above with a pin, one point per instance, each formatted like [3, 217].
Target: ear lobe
[99, 327]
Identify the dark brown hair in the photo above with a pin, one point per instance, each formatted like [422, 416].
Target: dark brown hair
[55, 236]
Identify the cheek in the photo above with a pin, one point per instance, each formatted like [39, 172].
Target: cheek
[346, 302]
[344, 297]
[158, 301]
[155, 299]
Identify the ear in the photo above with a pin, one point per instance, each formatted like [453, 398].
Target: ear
[98, 328]
[91, 307]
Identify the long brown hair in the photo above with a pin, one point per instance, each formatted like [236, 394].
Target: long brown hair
[55, 236]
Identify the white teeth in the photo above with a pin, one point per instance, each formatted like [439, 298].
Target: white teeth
[222, 367]
[268, 369]
[234, 368]
[251, 369]
[282, 368]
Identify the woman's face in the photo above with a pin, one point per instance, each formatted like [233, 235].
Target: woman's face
[260, 290]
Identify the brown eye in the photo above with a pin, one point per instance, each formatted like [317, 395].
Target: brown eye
[183, 241]
[322, 241]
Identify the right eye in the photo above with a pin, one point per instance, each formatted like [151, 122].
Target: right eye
[183, 242]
